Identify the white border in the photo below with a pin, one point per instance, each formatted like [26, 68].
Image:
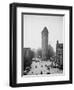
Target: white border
[30, 79]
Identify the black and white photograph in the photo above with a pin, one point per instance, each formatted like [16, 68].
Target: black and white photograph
[42, 44]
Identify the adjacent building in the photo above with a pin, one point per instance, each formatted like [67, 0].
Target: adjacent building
[59, 54]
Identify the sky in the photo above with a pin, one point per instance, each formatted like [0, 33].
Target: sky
[33, 26]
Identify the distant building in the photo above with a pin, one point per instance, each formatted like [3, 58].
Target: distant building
[44, 43]
[59, 53]
[27, 52]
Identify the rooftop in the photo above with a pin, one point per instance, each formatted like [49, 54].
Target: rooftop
[45, 29]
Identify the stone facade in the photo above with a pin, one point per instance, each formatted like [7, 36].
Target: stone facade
[44, 43]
